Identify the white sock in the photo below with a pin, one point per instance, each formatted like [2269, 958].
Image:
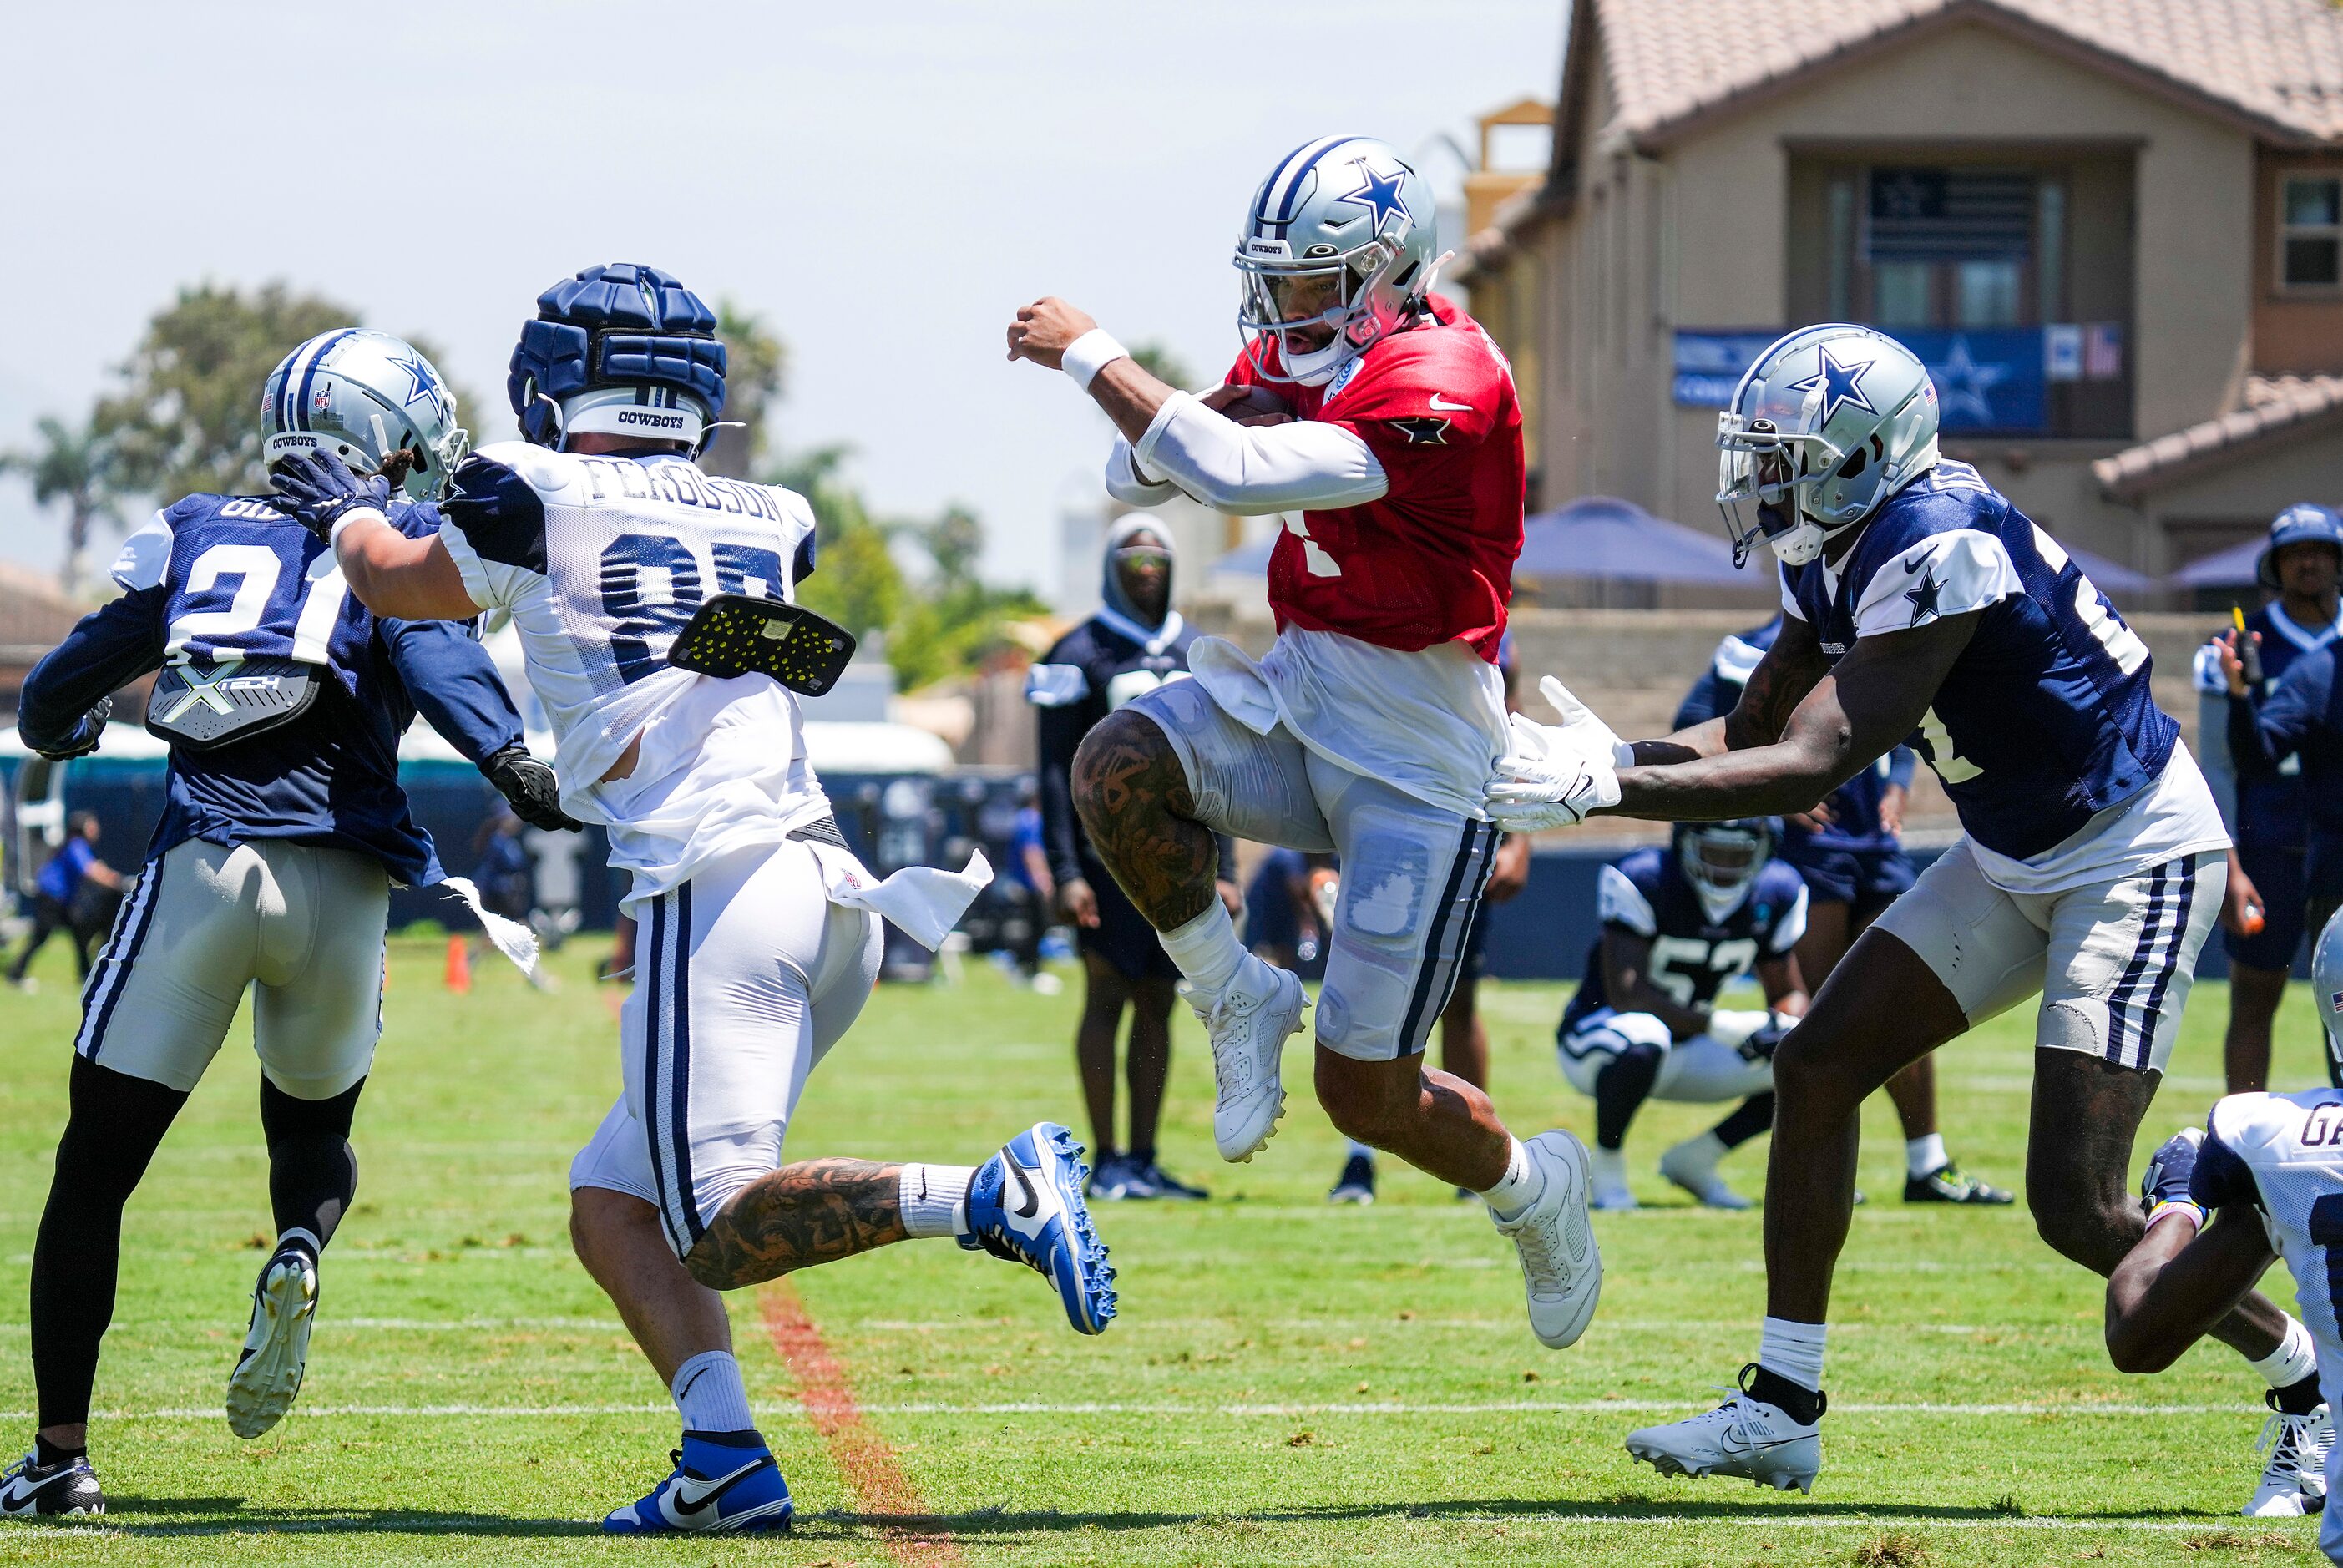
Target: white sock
[1925, 1156]
[1706, 1152]
[1794, 1351]
[933, 1199]
[1206, 948]
[708, 1390]
[1518, 1188]
[1355, 1150]
[2295, 1359]
[1609, 1165]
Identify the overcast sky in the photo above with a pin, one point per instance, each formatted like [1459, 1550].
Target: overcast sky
[886, 183]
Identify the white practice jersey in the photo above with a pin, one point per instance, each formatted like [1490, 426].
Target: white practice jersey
[600, 560]
[2283, 1153]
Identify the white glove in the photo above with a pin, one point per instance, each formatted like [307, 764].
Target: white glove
[1556, 776]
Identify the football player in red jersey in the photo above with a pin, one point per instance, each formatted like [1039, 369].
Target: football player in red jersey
[1382, 422]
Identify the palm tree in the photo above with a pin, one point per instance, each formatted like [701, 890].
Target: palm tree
[71, 467]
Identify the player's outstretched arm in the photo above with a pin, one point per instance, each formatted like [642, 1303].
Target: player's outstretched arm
[61, 711]
[1849, 719]
[392, 575]
[2178, 1282]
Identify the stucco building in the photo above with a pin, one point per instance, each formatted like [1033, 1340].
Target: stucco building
[2114, 229]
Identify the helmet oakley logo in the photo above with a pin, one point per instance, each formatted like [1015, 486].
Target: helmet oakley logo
[1380, 191]
[1841, 383]
[649, 420]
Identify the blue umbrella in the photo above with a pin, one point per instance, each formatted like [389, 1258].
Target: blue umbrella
[2107, 575]
[2232, 568]
[1604, 537]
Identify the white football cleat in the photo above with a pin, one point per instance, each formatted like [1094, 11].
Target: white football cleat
[2294, 1481]
[1688, 1167]
[1743, 1437]
[1249, 1021]
[277, 1347]
[1561, 1265]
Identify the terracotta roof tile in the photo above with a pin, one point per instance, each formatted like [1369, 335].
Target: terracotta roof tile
[2279, 62]
[2275, 407]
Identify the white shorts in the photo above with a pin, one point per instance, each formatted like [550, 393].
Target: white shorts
[745, 975]
[2113, 960]
[1412, 873]
[299, 925]
[1704, 1069]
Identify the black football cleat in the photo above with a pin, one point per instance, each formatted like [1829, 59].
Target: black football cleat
[65, 1490]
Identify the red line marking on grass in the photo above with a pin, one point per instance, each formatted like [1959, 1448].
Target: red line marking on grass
[866, 1459]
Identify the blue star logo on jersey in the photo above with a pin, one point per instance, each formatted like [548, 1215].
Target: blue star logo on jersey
[1380, 191]
[1967, 383]
[423, 382]
[1841, 384]
[1924, 597]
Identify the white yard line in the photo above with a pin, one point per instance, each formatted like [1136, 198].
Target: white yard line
[1199, 1408]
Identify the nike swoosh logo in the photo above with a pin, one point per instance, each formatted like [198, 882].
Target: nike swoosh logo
[1032, 1204]
[687, 1505]
[1913, 563]
[1453, 408]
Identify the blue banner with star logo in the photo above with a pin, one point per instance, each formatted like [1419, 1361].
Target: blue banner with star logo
[1987, 378]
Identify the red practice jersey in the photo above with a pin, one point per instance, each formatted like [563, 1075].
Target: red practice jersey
[1432, 560]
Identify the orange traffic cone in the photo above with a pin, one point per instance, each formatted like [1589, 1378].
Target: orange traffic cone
[459, 965]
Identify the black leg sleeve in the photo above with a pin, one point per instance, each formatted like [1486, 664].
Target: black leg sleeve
[1620, 1090]
[117, 1122]
[1751, 1117]
[313, 1171]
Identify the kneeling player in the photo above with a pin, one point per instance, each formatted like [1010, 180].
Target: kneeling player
[2267, 1169]
[759, 931]
[283, 830]
[1678, 924]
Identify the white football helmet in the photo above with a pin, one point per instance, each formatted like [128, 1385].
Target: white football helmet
[2327, 982]
[1336, 252]
[1828, 425]
[365, 395]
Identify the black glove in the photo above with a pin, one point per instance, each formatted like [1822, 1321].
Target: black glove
[80, 741]
[315, 488]
[1762, 1042]
[529, 785]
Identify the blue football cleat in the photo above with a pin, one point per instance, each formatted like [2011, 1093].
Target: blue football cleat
[722, 1480]
[1025, 1204]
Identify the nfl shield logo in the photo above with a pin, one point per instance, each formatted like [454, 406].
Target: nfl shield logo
[321, 399]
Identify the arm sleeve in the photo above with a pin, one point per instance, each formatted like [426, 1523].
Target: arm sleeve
[1126, 484]
[1246, 470]
[495, 531]
[1949, 574]
[455, 684]
[1900, 763]
[109, 649]
[2265, 732]
[1619, 902]
[1062, 729]
[2222, 1178]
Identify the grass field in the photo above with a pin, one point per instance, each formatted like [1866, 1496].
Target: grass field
[1286, 1384]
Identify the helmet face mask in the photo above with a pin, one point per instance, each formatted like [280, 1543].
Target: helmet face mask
[1722, 859]
[1828, 425]
[1335, 254]
[364, 397]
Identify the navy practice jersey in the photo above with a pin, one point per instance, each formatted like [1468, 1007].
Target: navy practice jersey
[2046, 719]
[1094, 669]
[2275, 795]
[1693, 957]
[1855, 824]
[219, 579]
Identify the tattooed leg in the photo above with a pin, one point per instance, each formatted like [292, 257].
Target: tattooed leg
[815, 1211]
[1132, 797]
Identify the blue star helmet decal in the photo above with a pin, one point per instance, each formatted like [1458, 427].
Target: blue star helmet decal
[1841, 384]
[423, 382]
[1380, 191]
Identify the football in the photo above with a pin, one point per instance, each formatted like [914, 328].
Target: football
[1249, 405]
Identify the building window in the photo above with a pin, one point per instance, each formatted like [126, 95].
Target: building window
[2310, 231]
[1949, 247]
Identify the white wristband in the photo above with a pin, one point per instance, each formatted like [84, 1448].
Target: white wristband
[355, 515]
[1091, 353]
